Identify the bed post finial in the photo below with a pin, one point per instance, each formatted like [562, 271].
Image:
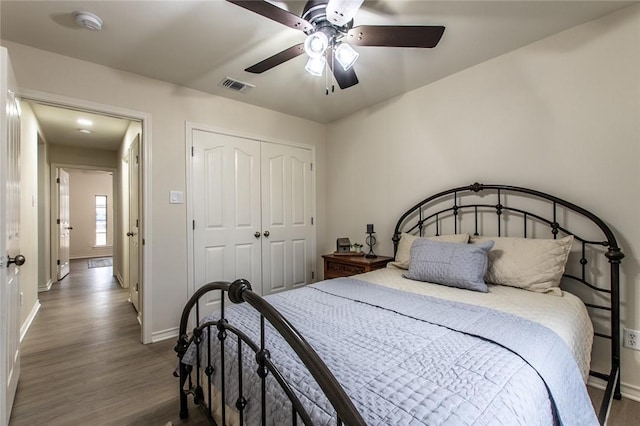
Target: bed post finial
[476, 187]
[237, 288]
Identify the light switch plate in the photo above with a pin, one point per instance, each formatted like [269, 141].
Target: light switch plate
[176, 197]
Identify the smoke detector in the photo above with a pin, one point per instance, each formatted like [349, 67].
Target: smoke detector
[88, 20]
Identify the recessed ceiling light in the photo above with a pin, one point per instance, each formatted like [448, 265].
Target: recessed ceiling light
[84, 131]
[85, 122]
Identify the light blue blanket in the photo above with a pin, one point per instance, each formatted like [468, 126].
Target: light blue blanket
[410, 359]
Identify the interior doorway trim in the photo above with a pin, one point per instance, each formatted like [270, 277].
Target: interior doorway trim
[145, 139]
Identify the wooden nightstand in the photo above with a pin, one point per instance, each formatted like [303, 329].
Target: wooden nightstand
[336, 266]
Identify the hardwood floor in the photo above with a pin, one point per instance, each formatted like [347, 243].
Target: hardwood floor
[83, 363]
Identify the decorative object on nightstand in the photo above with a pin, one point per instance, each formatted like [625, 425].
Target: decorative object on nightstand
[336, 266]
[371, 241]
[343, 245]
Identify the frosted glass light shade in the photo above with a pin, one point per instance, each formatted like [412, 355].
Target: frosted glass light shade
[316, 44]
[315, 66]
[346, 55]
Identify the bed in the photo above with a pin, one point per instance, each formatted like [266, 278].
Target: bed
[496, 300]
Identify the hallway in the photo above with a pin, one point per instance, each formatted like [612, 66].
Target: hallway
[83, 363]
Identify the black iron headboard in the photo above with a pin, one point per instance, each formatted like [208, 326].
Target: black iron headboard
[502, 210]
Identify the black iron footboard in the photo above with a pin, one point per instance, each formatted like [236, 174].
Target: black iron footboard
[191, 378]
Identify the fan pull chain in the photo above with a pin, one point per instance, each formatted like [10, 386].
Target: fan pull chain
[326, 78]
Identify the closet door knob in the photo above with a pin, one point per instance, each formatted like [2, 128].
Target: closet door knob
[257, 234]
[266, 233]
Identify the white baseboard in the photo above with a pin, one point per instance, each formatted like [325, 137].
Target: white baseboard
[120, 279]
[27, 323]
[45, 287]
[628, 391]
[158, 336]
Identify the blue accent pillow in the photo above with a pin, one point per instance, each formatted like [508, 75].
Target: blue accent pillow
[452, 264]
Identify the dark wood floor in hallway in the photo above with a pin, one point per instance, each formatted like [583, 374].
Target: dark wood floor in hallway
[83, 363]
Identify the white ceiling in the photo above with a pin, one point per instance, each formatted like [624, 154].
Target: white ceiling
[60, 127]
[198, 43]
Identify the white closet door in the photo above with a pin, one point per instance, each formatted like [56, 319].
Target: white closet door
[226, 210]
[287, 208]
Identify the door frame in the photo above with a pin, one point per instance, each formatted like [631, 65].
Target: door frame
[144, 118]
[189, 128]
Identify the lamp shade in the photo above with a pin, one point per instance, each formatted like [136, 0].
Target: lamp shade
[346, 55]
[316, 44]
[315, 66]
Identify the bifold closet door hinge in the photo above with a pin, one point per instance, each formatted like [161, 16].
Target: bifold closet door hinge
[58, 262]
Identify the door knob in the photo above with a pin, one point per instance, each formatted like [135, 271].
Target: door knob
[130, 234]
[266, 233]
[69, 228]
[18, 260]
[257, 234]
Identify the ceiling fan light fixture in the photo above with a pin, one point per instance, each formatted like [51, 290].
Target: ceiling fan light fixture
[316, 66]
[346, 55]
[316, 44]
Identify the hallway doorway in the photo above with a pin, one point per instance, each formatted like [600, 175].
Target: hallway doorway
[73, 137]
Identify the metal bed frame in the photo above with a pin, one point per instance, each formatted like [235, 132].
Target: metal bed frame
[444, 210]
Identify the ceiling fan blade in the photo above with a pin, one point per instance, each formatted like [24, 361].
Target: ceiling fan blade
[340, 12]
[274, 13]
[344, 78]
[277, 59]
[395, 36]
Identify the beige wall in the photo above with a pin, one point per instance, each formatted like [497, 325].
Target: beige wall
[84, 185]
[170, 107]
[561, 115]
[69, 155]
[28, 215]
[45, 274]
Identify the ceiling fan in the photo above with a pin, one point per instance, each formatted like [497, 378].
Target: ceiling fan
[328, 25]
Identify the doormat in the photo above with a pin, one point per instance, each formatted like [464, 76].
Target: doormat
[100, 262]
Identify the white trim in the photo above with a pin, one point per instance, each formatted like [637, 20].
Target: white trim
[46, 287]
[628, 391]
[169, 333]
[27, 323]
[119, 279]
[145, 140]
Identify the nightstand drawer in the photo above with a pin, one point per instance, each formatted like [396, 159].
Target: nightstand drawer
[336, 266]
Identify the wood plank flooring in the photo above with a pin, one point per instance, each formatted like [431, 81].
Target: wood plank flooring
[83, 363]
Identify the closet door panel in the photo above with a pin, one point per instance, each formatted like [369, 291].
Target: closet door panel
[226, 209]
[286, 217]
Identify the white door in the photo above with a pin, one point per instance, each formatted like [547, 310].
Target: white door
[287, 209]
[64, 226]
[134, 223]
[226, 210]
[9, 238]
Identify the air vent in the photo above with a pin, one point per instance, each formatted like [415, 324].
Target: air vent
[236, 85]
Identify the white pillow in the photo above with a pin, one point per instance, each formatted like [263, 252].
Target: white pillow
[527, 263]
[403, 255]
